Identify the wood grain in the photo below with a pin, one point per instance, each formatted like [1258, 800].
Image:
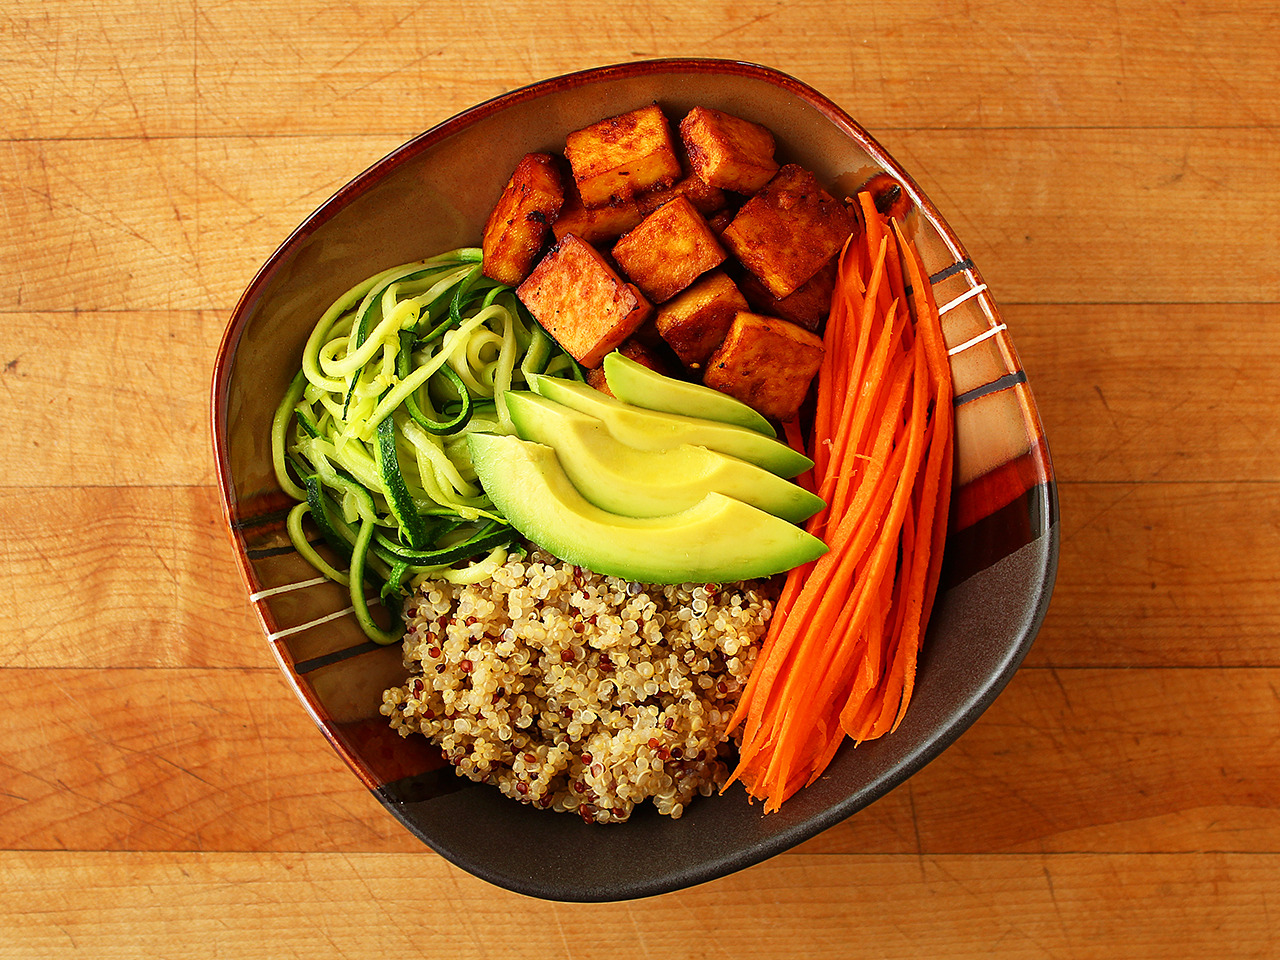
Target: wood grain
[1112, 170]
[395, 68]
[150, 579]
[1065, 761]
[184, 905]
[1132, 392]
[128, 232]
[111, 577]
[123, 402]
[1147, 393]
[1174, 574]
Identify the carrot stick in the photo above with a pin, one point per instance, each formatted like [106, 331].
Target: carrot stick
[795, 440]
[938, 477]
[885, 415]
[853, 302]
[876, 232]
[809, 683]
[870, 722]
[849, 440]
[832, 356]
[863, 703]
[887, 543]
[839, 657]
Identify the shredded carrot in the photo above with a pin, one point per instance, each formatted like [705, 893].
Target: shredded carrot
[839, 659]
[795, 440]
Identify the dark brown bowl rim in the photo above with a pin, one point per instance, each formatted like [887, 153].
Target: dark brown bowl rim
[917, 758]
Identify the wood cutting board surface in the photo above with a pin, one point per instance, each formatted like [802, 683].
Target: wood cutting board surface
[1115, 172]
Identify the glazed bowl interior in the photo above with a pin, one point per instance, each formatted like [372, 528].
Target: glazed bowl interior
[433, 194]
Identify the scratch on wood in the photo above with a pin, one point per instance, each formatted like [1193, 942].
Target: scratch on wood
[742, 26]
[915, 827]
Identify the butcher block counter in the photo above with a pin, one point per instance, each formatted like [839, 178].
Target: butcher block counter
[1115, 171]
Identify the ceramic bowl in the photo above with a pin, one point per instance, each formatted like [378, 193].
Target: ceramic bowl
[433, 194]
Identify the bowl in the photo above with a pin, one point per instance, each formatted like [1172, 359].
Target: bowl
[433, 194]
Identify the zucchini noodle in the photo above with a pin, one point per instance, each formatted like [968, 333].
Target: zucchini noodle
[370, 436]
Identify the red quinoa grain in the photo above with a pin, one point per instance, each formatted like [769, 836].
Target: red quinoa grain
[591, 671]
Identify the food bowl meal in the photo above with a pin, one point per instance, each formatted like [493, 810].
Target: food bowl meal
[537, 455]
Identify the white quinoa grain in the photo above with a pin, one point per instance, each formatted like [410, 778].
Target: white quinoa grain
[579, 692]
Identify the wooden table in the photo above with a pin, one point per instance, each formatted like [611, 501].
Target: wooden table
[1115, 172]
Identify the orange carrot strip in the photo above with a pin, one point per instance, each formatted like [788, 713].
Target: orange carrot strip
[870, 321]
[889, 533]
[847, 371]
[875, 234]
[824, 412]
[895, 381]
[863, 716]
[839, 656]
[795, 440]
[822, 759]
[813, 685]
[814, 587]
[792, 615]
[854, 417]
[936, 492]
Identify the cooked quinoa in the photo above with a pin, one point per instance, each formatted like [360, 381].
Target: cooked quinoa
[580, 692]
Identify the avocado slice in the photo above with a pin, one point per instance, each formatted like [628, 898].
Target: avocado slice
[717, 540]
[655, 430]
[642, 386]
[649, 483]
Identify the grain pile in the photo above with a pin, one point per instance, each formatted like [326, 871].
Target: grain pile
[579, 692]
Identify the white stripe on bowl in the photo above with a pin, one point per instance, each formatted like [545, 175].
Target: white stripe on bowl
[290, 631]
[263, 594]
[967, 295]
[974, 341]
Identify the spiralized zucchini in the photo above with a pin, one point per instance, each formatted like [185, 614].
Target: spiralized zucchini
[370, 437]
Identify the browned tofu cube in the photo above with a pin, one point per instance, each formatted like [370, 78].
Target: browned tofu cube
[808, 306]
[595, 225]
[787, 231]
[727, 151]
[596, 378]
[670, 249]
[695, 321]
[766, 363]
[705, 198]
[633, 349]
[582, 302]
[517, 226]
[624, 155]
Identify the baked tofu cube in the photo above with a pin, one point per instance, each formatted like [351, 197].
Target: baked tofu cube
[595, 225]
[632, 349]
[582, 302]
[766, 363]
[596, 378]
[787, 231]
[727, 151]
[517, 226]
[695, 321]
[705, 198]
[808, 306]
[624, 155]
[670, 249]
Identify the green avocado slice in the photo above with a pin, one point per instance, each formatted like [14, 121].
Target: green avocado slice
[655, 430]
[717, 540]
[637, 384]
[649, 483]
